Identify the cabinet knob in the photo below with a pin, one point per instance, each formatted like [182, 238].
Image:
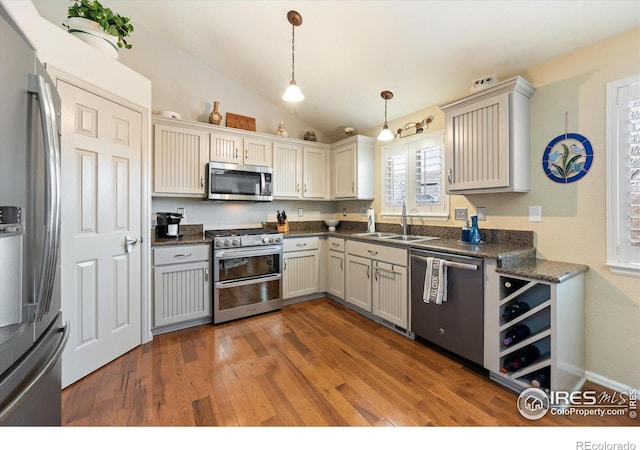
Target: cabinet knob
[441, 330]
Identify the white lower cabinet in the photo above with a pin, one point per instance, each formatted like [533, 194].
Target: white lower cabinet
[181, 286]
[554, 318]
[376, 281]
[335, 267]
[301, 257]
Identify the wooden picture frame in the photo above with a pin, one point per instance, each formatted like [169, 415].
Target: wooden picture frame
[241, 122]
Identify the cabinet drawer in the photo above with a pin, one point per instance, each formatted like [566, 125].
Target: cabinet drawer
[180, 254]
[299, 244]
[336, 244]
[391, 255]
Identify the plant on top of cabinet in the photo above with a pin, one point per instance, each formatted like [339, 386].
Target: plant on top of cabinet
[99, 26]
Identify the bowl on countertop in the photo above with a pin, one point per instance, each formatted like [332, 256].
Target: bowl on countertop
[332, 224]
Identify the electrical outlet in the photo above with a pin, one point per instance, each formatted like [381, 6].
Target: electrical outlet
[300, 212]
[363, 209]
[535, 213]
[461, 213]
[484, 82]
[481, 212]
[344, 212]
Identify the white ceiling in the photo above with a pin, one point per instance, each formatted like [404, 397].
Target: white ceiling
[426, 52]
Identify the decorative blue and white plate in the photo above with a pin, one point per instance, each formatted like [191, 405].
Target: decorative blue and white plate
[567, 158]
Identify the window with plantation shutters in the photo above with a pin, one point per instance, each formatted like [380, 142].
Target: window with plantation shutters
[623, 176]
[413, 172]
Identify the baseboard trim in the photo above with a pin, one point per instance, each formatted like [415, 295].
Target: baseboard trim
[608, 383]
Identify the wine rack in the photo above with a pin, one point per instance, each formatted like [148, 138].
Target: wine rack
[556, 320]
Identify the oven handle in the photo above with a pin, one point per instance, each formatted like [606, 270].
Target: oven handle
[453, 264]
[231, 284]
[238, 253]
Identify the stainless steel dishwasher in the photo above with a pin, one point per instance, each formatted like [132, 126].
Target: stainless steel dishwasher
[457, 324]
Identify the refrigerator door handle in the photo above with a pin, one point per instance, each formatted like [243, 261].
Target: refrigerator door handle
[16, 402]
[42, 90]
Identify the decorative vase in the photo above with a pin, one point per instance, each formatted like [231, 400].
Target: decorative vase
[215, 117]
[92, 33]
[474, 233]
[281, 131]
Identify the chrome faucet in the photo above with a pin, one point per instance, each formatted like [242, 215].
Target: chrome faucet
[403, 219]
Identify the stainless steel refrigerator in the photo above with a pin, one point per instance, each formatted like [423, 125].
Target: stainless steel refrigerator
[32, 335]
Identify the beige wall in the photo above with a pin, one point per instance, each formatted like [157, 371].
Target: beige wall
[573, 226]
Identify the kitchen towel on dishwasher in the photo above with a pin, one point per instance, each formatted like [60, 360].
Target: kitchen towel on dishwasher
[435, 281]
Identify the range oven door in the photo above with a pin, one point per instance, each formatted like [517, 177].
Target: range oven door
[247, 281]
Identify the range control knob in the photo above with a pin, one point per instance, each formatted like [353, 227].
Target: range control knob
[266, 240]
[218, 243]
[227, 243]
[235, 242]
[276, 239]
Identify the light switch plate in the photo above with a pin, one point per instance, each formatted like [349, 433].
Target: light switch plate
[461, 213]
[481, 212]
[535, 213]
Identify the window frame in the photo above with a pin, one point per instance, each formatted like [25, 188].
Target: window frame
[616, 210]
[409, 148]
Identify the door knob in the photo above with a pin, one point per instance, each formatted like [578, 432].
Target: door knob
[130, 242]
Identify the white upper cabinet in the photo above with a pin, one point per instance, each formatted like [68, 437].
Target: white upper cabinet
[237, 149]
[487, 139]
[299, 172]
[180, 155]
[352, 162]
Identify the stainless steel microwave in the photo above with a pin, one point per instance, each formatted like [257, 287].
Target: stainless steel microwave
[238, 182]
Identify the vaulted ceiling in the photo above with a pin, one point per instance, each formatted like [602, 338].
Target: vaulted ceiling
[426, 52]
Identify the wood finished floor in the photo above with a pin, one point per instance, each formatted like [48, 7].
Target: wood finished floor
[314, 363]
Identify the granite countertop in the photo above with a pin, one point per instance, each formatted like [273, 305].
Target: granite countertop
[513, 250]
[513, 258]
[191, 234]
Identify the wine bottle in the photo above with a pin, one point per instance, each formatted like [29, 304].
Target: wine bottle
[521, 358]
[514, 310]
[541, 379]
[516, 333]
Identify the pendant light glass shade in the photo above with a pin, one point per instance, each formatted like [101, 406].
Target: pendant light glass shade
[293, 93]
[385, 133]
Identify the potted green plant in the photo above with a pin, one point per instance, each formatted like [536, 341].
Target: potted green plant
[99, 26]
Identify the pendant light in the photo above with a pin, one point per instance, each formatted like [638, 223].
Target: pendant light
[385, 133]
[293, 93]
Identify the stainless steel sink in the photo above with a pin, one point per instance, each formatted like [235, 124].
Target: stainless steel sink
[378, 235]
[409, 238]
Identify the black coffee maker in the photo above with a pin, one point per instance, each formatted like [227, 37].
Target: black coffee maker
[168, 225]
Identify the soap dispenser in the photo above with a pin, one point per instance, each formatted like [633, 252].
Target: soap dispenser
[371, 223]
[465, 232]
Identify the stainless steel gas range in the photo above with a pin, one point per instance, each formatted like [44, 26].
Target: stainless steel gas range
[247, 270]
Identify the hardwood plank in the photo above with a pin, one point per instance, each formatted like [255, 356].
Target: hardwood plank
[314, 363]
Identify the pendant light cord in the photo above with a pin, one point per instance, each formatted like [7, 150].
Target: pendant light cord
[293, 53]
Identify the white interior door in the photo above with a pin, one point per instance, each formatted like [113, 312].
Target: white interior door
[101, 195]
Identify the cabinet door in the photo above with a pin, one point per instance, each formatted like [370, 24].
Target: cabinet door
[226, 148]
[314, 173]
[180, 158]
[390, 300]
[336, 274]
[257, 152]
[358, 282]
[300, 273]
[287, 170]
[478, 145]
[181, 292]
[344, 172]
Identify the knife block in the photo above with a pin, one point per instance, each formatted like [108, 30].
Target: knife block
[284, 228]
